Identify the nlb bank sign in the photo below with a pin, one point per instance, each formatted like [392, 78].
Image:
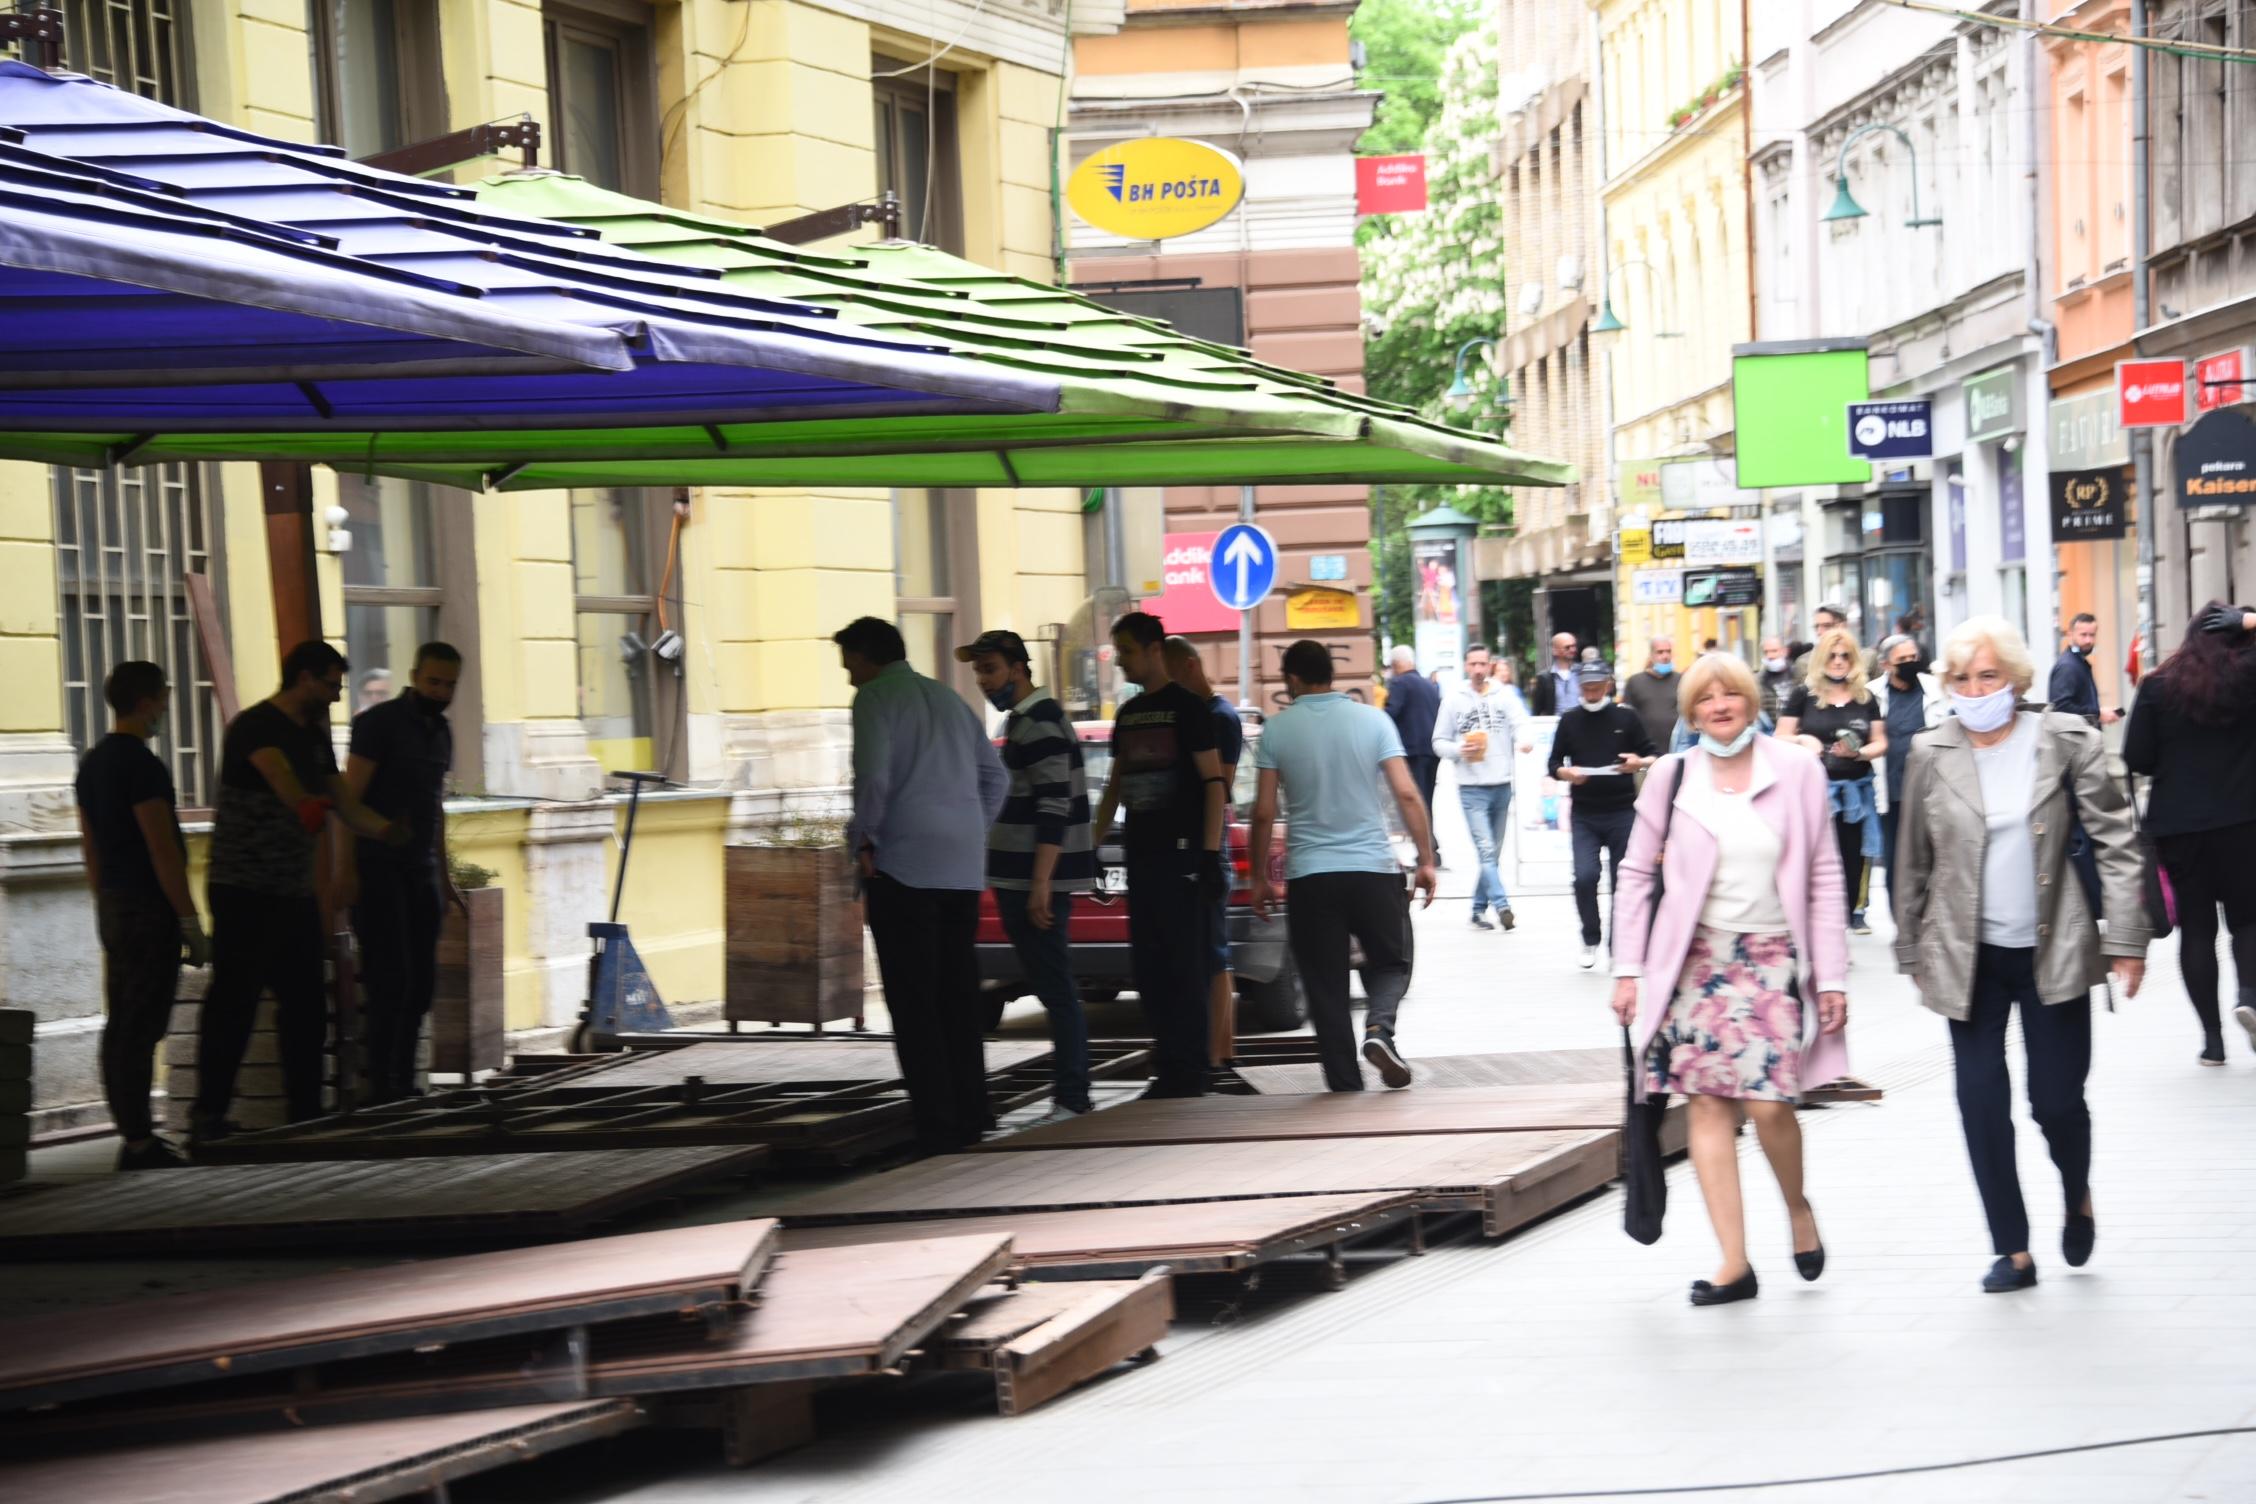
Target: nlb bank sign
[1156, 188]
[1892, 430]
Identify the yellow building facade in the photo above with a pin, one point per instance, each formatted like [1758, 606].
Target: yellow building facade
[752, 110]
[1677, 278]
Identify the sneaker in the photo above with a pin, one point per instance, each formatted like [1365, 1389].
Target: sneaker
[203, 1130]
[1589, 957]
[1058, 1114]
[156, 1154]
[2213, 1049]
[2245, 1016]
[1506, 919]
[1480, 921]
[1857, 925]
[1393, 1069]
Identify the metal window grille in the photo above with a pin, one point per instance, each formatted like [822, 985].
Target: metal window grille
[139, 45]
[124, 540]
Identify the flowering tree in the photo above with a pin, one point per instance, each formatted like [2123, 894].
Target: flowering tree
[1431, 282]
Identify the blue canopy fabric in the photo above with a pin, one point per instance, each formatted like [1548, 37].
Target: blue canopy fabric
[116, 212]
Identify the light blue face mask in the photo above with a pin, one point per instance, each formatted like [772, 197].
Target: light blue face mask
[1732, 748]
[1664, 669]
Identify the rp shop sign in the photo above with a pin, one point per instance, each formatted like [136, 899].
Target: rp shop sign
[2088, 504]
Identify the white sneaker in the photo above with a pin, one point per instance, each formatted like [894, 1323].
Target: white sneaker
[1057, 1115]
[1589, 957]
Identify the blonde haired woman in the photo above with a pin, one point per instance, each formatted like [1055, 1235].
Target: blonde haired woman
[1835, 716]
[1712, 977]
[1991, 918]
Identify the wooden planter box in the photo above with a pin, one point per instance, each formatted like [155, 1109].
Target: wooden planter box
[466, 1004]
[794, 936]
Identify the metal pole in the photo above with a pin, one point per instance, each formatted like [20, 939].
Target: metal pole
[1246, 677]
[1116, 542]
[2142, 439]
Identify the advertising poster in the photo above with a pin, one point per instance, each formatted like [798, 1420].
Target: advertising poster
[1542, 855]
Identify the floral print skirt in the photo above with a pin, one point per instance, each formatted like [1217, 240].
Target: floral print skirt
[1734, 1028]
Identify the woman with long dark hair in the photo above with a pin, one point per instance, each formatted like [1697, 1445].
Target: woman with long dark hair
[2193, 734]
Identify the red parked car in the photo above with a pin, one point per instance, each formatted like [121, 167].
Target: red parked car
[1269, 991]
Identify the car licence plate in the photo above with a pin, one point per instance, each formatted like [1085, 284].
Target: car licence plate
[1113, 880]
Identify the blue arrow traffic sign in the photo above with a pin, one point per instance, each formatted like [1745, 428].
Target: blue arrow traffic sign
[1243, 567]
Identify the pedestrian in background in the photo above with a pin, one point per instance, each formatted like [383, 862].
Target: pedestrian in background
[1412, 703]
[1651, 692]
[2193, 734]
[271, 889]
[1910, 700]
[401, 755]
[1039, 853]
[1711, 974]
[1167, 774]
[927, 786]
[1558, 686]
[2074, 690]
[1776, 680]
[1823, 620]
[137, 865]
[1597, 748]
[1479, 727]
[1834, 715]
[1330, 758]
[1186, 668]
[1988, 920]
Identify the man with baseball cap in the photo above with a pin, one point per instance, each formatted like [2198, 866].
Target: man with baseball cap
[1597, 747]
[1039, 853]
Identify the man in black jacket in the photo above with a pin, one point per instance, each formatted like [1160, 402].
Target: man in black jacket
[1412, 702]
[1598, 747]
[1553, 692]
[2073, 689]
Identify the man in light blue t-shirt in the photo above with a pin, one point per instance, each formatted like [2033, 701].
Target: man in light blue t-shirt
[1336, 761]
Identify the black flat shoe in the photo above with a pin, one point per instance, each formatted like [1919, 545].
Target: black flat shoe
[2076, 1240]
[1707, 1294]
[1811, 1264]
[2213, 1050]
[2005, 1275]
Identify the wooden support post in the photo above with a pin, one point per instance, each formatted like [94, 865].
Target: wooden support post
[286, 491]
[760, 1420]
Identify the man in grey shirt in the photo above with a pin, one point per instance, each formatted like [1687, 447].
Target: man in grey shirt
[927, 784]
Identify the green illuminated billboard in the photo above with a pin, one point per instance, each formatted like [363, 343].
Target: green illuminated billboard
[1790, 407]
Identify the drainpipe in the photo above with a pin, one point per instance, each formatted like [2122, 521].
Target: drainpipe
[2142, 439]
[2032, 281]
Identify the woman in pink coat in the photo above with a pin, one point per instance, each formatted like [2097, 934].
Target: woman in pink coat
[1710, 978]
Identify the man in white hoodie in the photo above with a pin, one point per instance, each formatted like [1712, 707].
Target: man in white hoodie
[1478, 729]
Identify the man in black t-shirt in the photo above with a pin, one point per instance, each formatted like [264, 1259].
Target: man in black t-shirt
[1186, 669]
[402, 751]
[268, 886]
[1167, 774]
[137, 865]
[1598, 748]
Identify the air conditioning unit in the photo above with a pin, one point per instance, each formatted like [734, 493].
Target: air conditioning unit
[1531, 300]
[1569, 274]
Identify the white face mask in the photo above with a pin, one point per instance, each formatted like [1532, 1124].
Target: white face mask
[1732, 748]
[1984, 712]
[1775, 665]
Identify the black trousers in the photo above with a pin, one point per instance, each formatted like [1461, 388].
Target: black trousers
[2057, 1037]
[1425, 767]
[261, 943]
[1326, 909]
[397, 922]
[140, 977]
[1848, 837]
[1593, 831]
[2208, 868]
[926, 957]
[1168, 946]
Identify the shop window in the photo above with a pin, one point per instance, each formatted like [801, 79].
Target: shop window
[602, 119]
[377, 84]
[410, 578]
[936, 579]
[917, 156]
[630, 694]
[126, 539]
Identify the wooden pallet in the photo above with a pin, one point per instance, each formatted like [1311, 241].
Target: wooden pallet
[1509, 1178]
[1329, 1115]
[1272, 1073]
[1039, 1340]
[495, 1198]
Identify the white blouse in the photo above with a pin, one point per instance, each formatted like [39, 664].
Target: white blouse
[1743, 895]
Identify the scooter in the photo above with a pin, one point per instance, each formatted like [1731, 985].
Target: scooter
[621, 997]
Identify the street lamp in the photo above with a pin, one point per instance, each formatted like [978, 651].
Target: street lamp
[1845, 207]
[1610, 322]
[1460, 390]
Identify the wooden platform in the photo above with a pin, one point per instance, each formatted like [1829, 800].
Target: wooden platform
[1509, 1178]
[1381, 1114]
[352, 1464]
[323, 1318]
[1456, 1072]
[1040, 1340]
[1197, 1237]
[498, 1197]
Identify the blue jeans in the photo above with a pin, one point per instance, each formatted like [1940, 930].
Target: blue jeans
[1488, 806]
[1048, 960]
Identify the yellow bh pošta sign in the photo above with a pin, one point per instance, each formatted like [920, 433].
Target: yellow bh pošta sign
[1156, 187]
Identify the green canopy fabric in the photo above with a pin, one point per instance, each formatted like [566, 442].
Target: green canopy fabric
[1141, 403]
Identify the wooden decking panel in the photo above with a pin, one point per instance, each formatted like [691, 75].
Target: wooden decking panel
[1226, 1119]
[1455, 1072]
[370, 1460]
[762, 1062]
[327, 1203]
[180, 1339]
[1041, 1340]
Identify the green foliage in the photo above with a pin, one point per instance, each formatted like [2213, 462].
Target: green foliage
[1431, 282]
[1403, 45]
[466, 875]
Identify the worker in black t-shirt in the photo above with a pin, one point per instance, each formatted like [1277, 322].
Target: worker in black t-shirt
[1167, 773]
[137, 865]
[1598, 748]
[278, 786]
[1186, 668]
[402, 751]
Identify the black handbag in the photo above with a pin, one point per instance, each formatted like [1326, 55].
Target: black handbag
[2083, 860]
[1644, 1178]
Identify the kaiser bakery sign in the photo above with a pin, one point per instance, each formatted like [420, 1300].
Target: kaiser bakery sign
[2216, 461]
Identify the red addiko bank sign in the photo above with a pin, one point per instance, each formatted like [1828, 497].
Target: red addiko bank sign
[1390, 185]
[2150, 393]
[1188, 604]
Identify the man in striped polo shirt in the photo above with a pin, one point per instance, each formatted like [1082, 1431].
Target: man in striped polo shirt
[1039, 853]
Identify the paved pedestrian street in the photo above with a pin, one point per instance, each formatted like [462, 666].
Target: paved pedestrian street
[1566, 1362]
